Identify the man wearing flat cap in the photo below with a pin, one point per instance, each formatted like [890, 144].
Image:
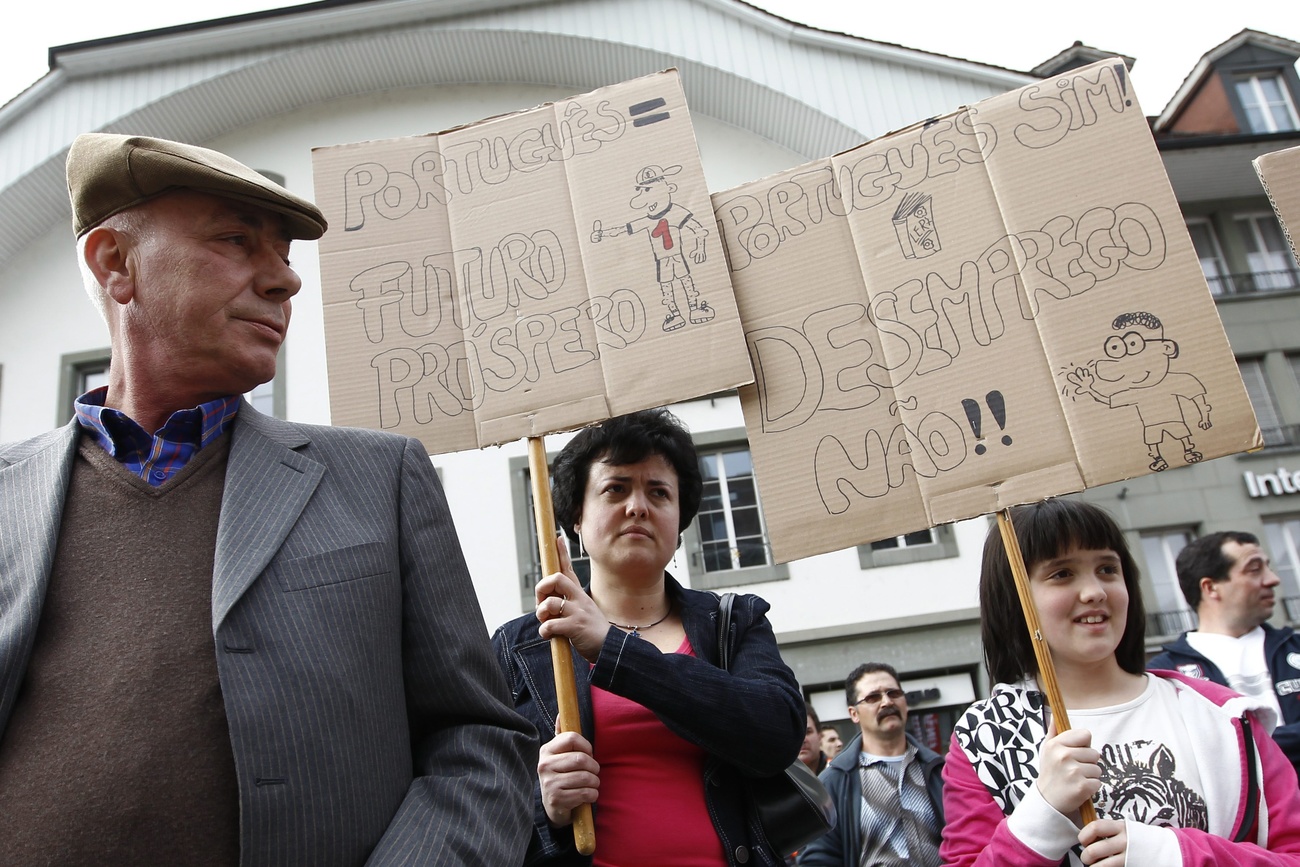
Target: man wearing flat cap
[227, 639]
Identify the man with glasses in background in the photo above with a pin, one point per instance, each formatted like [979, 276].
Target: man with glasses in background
[887, 786]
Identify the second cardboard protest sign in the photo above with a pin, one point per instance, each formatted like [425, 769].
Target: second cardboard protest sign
[526, 274]
[1279, 172]
[984, 309]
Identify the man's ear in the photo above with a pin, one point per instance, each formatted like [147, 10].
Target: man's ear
[1171, 348]
[1208, 585]
[106, 256]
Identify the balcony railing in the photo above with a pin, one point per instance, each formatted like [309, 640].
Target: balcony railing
[1254, 283]
[1164, 623]
[1170, 622]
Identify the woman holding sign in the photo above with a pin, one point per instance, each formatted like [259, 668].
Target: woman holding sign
[668, 738]
[1181, 771]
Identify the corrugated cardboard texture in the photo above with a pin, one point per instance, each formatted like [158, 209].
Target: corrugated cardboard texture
[1279, 172]
[526, 274]
[984, 309]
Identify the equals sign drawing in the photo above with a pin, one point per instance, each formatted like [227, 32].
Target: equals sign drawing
[644, 113]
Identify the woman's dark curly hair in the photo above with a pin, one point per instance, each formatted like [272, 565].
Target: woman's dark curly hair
[1046, 530]
[626, 440]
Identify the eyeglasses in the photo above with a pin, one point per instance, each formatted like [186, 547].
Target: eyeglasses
[1130, 344]
[877, 696]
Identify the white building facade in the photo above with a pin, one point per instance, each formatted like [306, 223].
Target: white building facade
[765, 95]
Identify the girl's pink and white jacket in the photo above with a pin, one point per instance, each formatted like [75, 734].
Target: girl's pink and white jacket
[996, 816]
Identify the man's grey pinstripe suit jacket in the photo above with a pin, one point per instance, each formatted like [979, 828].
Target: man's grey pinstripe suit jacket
[367, 712]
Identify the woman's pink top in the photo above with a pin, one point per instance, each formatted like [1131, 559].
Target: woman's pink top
[651, 809]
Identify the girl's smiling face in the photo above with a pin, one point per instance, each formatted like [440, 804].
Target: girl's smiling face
[1082, 605]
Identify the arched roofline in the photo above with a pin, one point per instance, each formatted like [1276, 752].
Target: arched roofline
[197, 96]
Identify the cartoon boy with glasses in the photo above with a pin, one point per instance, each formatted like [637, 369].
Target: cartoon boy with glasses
[1136, 373]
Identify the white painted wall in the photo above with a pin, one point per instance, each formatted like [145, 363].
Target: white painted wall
[44, 313]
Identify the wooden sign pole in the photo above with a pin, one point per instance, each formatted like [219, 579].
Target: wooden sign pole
[566, 687]
[1046, 671]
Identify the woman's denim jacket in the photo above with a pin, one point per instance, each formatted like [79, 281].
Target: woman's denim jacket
[750, 720]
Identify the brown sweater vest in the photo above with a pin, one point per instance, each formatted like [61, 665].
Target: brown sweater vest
[118, 751]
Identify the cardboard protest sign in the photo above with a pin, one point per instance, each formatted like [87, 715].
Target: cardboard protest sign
[526, 274]
[981, 310]
[1279, 172]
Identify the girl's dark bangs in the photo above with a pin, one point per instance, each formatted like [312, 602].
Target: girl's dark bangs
[1055, 527]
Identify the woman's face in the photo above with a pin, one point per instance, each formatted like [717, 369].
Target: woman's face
[629, 521]
[1082, 604]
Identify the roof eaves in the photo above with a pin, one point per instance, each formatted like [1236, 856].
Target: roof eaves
[815, 36]
[30, 97]
[312, 20]
[268, 27]
[1085, 53]
[1174, 142]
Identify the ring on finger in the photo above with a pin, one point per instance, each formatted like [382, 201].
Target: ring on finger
[563, 600]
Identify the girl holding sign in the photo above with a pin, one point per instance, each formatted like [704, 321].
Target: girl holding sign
[1181, 771]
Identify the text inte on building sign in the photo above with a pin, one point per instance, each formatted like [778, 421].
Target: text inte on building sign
[1272, 484]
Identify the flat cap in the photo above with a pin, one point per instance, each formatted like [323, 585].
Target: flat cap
[109, 173]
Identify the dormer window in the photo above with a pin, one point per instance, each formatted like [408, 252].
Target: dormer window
[1267, 104]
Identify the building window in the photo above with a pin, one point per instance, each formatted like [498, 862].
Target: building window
[936, 543]
[1213, 265]
[1267, 253]
[728, 541]
[911, 540]
[526, 538]
[731, 523]
[1171, 614]
[1261, 398]
[1282, 541]
[1266, 103]
[79, 372]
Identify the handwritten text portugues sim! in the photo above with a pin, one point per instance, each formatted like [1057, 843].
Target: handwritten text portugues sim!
[755, 229]
[460, 164]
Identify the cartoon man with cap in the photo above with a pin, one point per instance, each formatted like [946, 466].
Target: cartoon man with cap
[667, 224]
[227, 638]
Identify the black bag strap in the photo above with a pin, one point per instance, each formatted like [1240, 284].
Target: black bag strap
[1249, 817]
[724, 630]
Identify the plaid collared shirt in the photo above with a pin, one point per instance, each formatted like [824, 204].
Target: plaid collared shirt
[159, 456]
